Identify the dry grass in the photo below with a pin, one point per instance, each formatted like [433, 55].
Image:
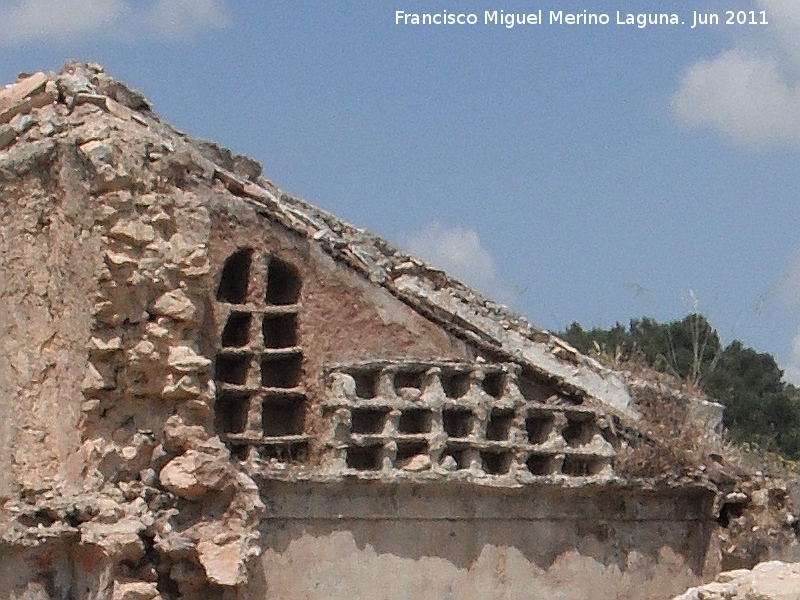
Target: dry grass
[671, 446]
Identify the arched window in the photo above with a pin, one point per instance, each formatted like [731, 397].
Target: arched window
[261, 403]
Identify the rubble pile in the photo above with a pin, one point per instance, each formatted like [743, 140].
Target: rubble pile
[767, 581]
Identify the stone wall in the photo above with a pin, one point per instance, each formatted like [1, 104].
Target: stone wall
[112, 480]
[46, 274]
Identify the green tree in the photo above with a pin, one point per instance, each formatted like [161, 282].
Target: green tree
[688, 348]
[760, 407]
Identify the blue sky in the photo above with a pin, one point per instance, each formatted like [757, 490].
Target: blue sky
[589, 173]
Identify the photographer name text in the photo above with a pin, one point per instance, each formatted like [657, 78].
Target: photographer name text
[583, 18]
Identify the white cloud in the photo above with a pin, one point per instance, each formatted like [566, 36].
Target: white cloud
[791, 372]
[184, 17]
[460, 252]
[786, 292]
[26, 21]
[749, 95]
[744, 97]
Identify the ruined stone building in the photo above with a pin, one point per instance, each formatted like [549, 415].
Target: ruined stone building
[211, 389]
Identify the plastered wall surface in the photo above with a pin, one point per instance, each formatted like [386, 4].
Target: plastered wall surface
[49, 257]
[356, 541]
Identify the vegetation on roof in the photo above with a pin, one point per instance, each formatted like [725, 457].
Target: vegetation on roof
[760, 408]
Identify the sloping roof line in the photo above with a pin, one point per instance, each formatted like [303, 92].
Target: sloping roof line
[431, 292]
[461, 310]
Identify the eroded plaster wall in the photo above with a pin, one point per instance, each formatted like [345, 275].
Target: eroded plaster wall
[444, 542]
[49, 259]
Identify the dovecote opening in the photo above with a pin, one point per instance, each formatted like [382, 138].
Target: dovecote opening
[496, 463]
[240, 452]
[407, 379]
[364, 458]
[493, 384]
[281, 371]
[415, 420]
[368, 420]
[291, 453]
[582, 466]
[237, 330]
[279, 331]
[455, 384]
[282, 416]
[232, 368]
[283, 283]
[499, 426]
[457, 422]
[408, 450]
[531, 388]
[231, 413]
[578, 432]
[539, 427]
[233, 284]
[457, 457]
[541, 464]
[366, 383]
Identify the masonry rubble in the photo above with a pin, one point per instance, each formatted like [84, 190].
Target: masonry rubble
[128, 509]
[147, 486]
[773, 580]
